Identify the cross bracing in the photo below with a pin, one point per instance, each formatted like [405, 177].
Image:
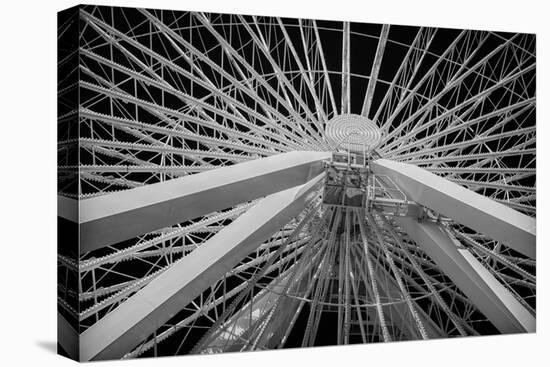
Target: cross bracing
[199, 153]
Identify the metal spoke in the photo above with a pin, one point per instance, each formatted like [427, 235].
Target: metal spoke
[255, 182]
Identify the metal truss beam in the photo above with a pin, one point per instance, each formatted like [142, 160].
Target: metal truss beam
[519, 108]
[346, 89]
[408, 68]
[147, 310]
[198, 313]
[100, 26]
[481, 157]
[308, 81]
[400, 313]
[498, 304]
[429, 74]
[456, 80]
[251, 323]
[237, 333]
[499, 222]
[373, 78]
[284, 83]
[235, 56]
[108, 219]
[91, 143]
[325, 69]
[468, 143]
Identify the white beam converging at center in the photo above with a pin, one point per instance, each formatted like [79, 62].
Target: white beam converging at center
[148, 309]
[496, 220]
[230, 182]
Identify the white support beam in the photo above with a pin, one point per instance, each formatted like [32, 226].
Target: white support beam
[496, 220]
[111, 218]
[136, 318]
[506, 313]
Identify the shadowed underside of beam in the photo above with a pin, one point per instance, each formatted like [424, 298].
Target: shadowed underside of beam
[495, 220]
[147, 310]
[116, 217]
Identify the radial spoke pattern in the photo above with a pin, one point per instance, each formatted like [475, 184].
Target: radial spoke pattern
[166, 94]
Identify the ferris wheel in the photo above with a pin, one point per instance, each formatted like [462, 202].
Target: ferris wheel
[253, 183]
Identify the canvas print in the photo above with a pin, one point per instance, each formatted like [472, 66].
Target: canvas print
[232, 183]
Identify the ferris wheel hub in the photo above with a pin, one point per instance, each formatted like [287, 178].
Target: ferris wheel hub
[353, 132]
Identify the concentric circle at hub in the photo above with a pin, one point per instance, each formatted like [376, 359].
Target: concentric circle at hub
[354, 132]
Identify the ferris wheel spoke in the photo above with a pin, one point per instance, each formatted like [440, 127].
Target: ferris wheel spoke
[197, 103]
[373, 282]
[417, 223]
[397, 276]
[525, 133]
[373, 77]
[346, 86]
[328, 83]
[132, 211]
[171, 132]
[404, 101]
[457, 79]
[168, 63]
[174, 113]
[519, 72]
[507, 115]
[499, 186]
[284, 83]
[259, 79]
[321, 286]
[442, 304]
[321, 114]
[207, 307]
[406, 72]
[276, 291]
[481, 157]
[164, 149]
[200, 345]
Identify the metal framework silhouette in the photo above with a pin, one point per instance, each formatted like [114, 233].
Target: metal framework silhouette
[248, 182]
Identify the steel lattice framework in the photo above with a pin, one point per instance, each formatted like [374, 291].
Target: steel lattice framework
[199, 154]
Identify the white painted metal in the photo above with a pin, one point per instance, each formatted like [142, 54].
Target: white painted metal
[173, 105]
[144, 312]
[108, 219]
[375, 70]
[479, 285]
[512, 228]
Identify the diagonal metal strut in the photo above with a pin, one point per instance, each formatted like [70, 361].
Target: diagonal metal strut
[108, 219]
[495, 220]
[147, 310]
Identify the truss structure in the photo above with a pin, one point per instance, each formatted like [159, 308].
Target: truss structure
[232, 183]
